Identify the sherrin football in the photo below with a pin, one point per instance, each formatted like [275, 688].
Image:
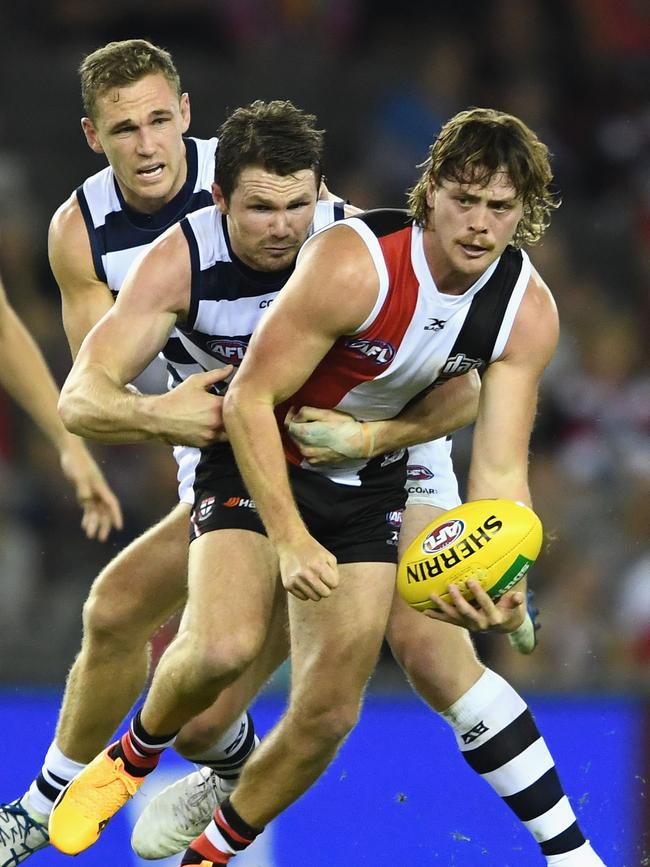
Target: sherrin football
[494, 542]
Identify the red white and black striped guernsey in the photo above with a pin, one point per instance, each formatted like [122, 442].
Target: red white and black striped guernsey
[415, 336]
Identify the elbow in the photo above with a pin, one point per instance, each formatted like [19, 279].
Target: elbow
[473, 394]
[245, 406]
[71, 409]
[69, 412]
[230, 404]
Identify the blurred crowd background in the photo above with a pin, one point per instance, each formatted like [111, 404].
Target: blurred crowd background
[381, 82]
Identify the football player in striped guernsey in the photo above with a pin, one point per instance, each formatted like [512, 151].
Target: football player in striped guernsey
[136, 115]
[454, 261]
[349, 618]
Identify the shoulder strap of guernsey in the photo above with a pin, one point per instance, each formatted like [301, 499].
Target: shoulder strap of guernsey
[478, 334]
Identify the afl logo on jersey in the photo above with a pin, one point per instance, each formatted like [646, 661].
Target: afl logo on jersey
[227, 350]
[418, 473]
[376, 350]
[443, 536]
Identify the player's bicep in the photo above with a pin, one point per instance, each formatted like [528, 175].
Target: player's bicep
[330, 294]
[124, 342]
[84, 297]
[284, 350]
[136, 328]
[82, 306]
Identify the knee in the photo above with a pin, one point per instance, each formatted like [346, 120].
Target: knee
[222, 659]
[326, 723]
[440, 666]
[106, 623]
[412, 654]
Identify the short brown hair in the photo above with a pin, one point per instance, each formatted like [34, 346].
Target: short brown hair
[274, 135]
[119, 64]
[472, 147]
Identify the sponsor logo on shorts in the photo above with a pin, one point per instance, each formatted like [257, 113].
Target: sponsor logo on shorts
[227, 350]
[416, 489]
[443, 536]
[376, 350]
[418, 473]
[394, 519]
[239, 503]
[391, 457]
[394, 538]
[205, 508]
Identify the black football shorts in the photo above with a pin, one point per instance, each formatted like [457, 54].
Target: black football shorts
[357, 524]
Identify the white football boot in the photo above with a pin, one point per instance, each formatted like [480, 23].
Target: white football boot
[21, 834]
[178, 814]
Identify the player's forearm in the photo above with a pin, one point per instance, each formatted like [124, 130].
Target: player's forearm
[441, 412]
[25, 376]
[92, 405]
[255, 439]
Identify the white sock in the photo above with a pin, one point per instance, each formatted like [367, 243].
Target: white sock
[56, 773]
[228, 754]
[583, 856]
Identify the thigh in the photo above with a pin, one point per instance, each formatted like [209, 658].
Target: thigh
[233, 578]
[438, 657]
[335, 642]
[149, 577]
[409, 630]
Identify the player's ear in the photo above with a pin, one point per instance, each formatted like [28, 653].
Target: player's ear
[218, 198]
[431, 191]
[91, 135]
[185, 112]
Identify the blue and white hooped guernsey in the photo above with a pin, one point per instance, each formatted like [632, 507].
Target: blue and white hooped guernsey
[119, 235]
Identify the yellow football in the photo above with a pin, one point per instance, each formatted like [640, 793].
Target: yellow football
[494, 542]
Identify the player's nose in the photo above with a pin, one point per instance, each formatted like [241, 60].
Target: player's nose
[280, 225]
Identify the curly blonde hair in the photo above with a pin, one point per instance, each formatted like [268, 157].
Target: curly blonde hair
[472, 147]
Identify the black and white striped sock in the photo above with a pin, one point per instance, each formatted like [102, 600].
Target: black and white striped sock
[228, 755]
[56, 773]
[499, 739]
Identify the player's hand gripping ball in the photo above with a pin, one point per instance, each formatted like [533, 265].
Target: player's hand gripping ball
[494, 542]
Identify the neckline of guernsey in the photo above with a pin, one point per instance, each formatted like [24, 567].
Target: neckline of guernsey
[175, 208]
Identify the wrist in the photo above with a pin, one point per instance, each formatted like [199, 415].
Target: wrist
[287, 530]
[368, 432]
[524, 638]
[70, 443]
[150, 416]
